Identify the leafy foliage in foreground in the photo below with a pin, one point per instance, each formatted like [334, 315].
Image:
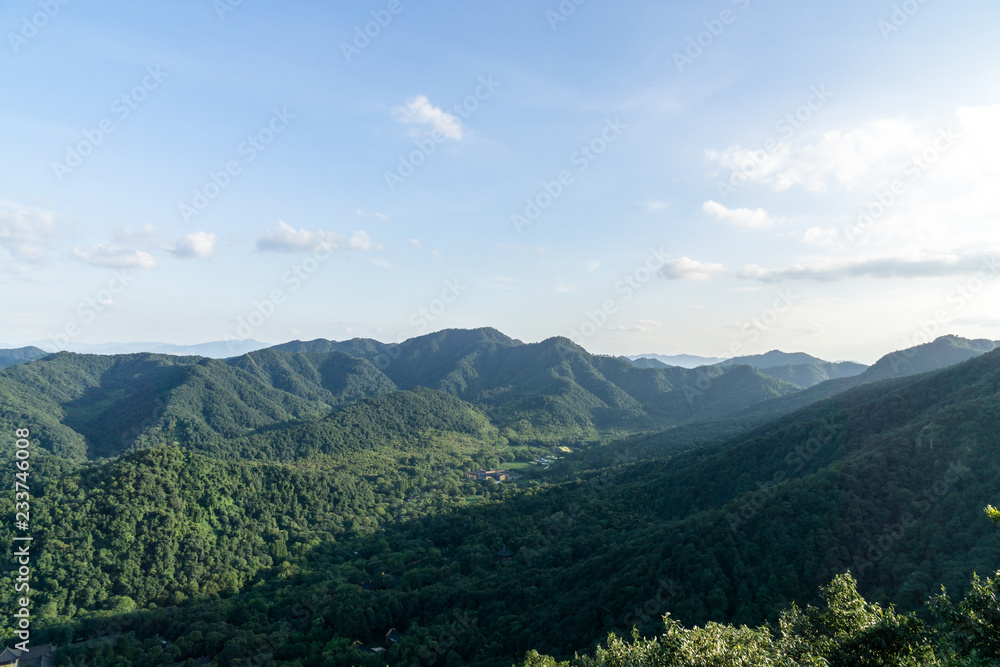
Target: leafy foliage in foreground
[847, 632]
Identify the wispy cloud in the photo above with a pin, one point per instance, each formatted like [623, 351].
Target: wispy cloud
[419, 111]
[817, 236]
[743, 217]
[846, 158]
[686, 268]
[115, 256]
[148, 235]
[913, 266]
[285, 238]
[27, 233]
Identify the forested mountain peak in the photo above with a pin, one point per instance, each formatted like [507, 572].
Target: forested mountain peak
[462, 337]
[773, 358]
[21, 355]
[939, 353]
[364, 347]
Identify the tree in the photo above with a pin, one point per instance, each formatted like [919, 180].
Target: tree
[993, 513]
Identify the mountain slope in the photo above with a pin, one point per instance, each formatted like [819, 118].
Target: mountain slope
[887, 482]
[20, 355]
[773, 358]
[895, 367]
[334, 377]
[398, 420]
[91, 406]
[797, 368]
[810, 375]
[939, 353]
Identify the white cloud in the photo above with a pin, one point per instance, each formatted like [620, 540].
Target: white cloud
[419, 111]
[416, 244]
[686, 268]
[199, 245]
[920, 265]
[113, 255]
[846, 158]
[742, 217]
[563, 289]
[917, 184]
[593, 265]
[285, 238]
[818, 236]
[864, 156]
[653, 206]
[361, 241]
[27, 233]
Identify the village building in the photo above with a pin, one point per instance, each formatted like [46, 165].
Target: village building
[496, 475]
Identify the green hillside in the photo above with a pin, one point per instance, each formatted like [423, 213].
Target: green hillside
[20, 355]
[93, 407]
[810, 375]
[164, 524]
[939, 353]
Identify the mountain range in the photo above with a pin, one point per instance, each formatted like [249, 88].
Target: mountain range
[301, 501]
[92, 406]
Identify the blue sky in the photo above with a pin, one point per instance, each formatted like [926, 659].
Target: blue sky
[643, 177]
